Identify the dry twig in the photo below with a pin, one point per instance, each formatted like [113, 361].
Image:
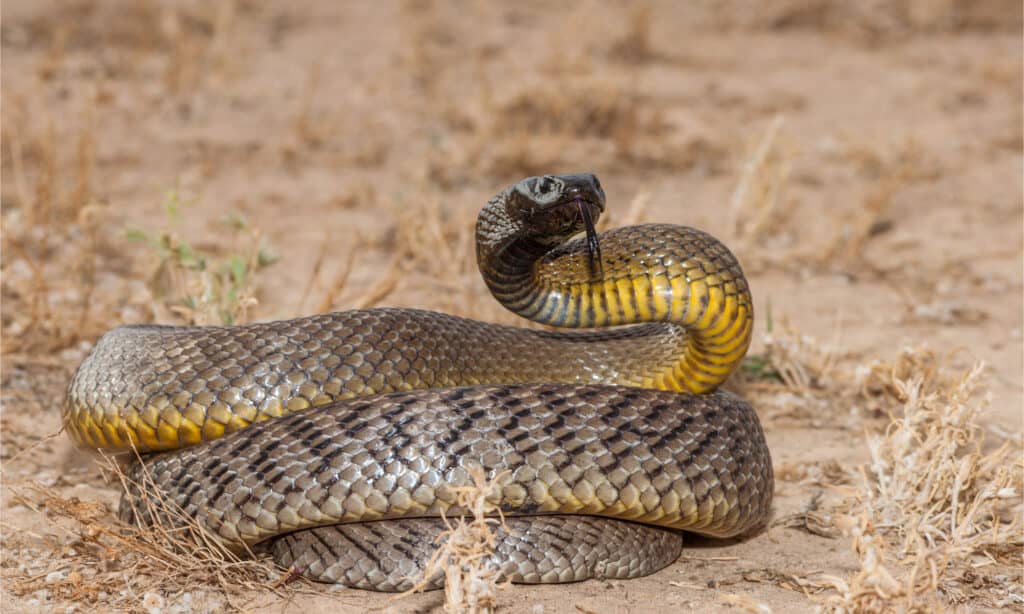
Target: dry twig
[471, 581]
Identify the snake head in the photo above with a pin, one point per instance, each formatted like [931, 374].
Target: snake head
[542, 212]
[552, 208]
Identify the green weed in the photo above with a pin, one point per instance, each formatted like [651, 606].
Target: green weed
[202, 287]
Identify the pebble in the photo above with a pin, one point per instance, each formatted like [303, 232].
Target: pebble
[71, 355]
[64, 296]
[55, 576]
[18, 270]
[153, 603]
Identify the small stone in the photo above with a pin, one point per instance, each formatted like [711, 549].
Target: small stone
[19, 269]
[55, 576]
[153, 603]
[71, 355]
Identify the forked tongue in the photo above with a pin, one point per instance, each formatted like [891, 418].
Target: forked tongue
[593, 246]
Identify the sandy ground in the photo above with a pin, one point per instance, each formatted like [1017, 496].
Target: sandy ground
[333, 128]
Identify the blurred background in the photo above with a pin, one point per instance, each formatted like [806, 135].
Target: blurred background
[144, 140]
[208, 162]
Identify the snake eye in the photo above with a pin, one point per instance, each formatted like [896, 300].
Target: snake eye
[545, 185]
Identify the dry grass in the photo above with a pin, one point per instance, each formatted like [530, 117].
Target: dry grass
[936, 508]
[320, 129]
[471, 582]
[884, 378]
[589, 121]
[754, 209]
[435, 247]
[635, 45]
[796, 378]
[798, 361]
[106, 563]
[196, 43]
[544, 128]
[945, 503]
[53, 238]
[64, 280]
[935, 517]
[876, 21]
[766, 225]
[201, 42]
[745, 603]
[890, 169]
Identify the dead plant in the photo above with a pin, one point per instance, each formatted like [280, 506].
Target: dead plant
[754, 206]
[935, 504]
[635, 44]
[111, 564]
[471, 581]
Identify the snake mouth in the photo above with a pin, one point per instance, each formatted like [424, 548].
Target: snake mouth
[580, 197]
[581, 200]
[576, 199]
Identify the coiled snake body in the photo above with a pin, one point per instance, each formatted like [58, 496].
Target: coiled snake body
[337, 438]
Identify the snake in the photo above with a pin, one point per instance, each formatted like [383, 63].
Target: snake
[338, 442]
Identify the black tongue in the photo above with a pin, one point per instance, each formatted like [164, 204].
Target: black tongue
[593, 245]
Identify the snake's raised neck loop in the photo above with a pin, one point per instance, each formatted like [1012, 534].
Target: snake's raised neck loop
[653, 273]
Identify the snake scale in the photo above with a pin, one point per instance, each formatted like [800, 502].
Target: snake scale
[334, 441]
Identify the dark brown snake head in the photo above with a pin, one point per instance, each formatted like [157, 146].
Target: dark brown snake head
[552, 208]
[545, 210]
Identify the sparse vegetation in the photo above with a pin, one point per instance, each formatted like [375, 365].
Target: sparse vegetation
[884, 210]
[934, 505]
[109, 564]
[200, 287]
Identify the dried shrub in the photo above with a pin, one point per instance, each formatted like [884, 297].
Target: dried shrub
[471, 583]
[935, 505]
[110, 564]
[754, 209]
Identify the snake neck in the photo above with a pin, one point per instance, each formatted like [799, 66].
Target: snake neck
[654, 273]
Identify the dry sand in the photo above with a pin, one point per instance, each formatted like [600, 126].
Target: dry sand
[337, 127]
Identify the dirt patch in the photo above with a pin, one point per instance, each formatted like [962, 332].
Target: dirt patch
[219, 161]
